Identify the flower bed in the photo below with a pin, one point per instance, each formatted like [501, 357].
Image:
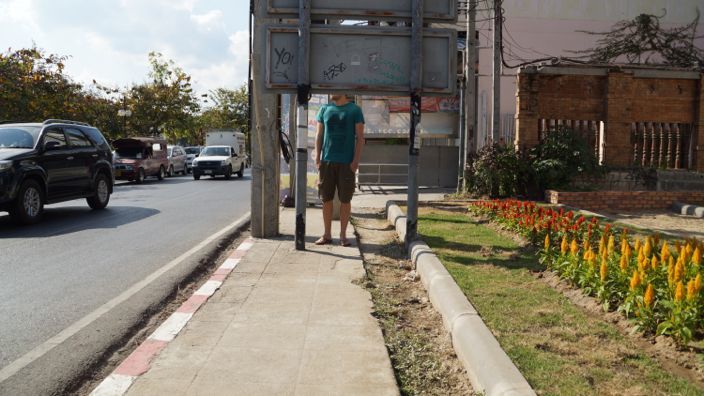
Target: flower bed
[655, 282]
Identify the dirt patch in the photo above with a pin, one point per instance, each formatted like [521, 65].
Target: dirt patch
[152, 320]
[420, 348]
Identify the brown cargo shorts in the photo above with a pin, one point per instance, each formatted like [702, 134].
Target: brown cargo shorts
[335, 175]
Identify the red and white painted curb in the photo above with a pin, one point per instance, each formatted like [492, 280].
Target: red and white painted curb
[138, 362]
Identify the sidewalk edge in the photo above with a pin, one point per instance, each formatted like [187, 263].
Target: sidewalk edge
[489, 368]
[139, 361]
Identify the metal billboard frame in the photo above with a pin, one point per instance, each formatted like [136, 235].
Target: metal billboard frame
[360, 11]
[382, 89]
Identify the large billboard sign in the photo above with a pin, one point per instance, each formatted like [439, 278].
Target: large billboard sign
[434, 11]
[356, 59]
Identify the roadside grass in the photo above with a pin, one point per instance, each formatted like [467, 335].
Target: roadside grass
[560, 348]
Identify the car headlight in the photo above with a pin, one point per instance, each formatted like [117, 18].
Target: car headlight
[4, 165]
[129, 167]
[194, 163]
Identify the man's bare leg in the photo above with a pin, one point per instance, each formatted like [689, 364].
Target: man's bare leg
[345, 210]
[327, 219]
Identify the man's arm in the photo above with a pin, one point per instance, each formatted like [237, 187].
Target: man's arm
[359, 144]
[318, 143]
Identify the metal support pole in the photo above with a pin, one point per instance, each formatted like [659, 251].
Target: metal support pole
[414, 138]
[463, 137]
[302, 133]
[496, 85]
[470, 95]
[292, 136]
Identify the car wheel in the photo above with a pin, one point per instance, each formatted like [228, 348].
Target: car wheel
[196, 176]
[29, 205]
[171, 171]
[162, 173]
[140, 176]
[102, 193]
[185, 169]
[228, 172]
[240, 173]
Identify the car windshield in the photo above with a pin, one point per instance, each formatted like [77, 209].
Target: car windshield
[19, 137]
[130, 153]
[216, 151]
[192, 150]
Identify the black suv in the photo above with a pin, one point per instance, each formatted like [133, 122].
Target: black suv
[50, 162]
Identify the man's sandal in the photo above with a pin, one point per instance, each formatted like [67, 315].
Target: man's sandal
[344, 242]
[323, 241]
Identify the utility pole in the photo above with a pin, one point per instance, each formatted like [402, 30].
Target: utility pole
[414, 144]
[292, 139]
[470, 93]
[265, 142]
[302, 133]
[496, 86]
[461, 82]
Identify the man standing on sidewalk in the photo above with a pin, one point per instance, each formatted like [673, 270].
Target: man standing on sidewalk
[338, 148]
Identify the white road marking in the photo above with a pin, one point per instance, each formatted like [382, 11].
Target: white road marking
[114, 385]
[171, 327]
[208, 288]
[230, 264]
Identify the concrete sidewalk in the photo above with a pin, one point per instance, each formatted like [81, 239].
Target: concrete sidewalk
[283, 322]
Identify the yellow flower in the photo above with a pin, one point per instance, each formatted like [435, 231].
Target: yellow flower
[564, 245]
[641, 257]
[628, 252]
[643, 264]
[547, 242]
[603, 270]
[654, 263]
[624, 243]
[679, 271]
[638, 245]
[671, 271]
[635, 280]
[623, 263]
[610, 246]
[683, 254]
[697, 256]
[691, 290]
[698, 283]
[649, 297]
[679, 292]
[647, 248]
[665, 252]
[602, 244]
[574, 248]
[688, 249]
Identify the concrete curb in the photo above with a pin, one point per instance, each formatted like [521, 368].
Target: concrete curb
[490, 370]
[688, 210]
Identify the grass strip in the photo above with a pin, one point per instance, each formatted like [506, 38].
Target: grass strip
[559, 348]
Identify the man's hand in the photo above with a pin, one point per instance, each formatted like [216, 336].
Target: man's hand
[354, 166]
[317, 163]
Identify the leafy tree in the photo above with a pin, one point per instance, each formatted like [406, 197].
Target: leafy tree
[164, 105]
[33, 86]
[229, 110]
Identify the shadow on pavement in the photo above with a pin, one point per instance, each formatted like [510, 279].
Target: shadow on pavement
[67, 220]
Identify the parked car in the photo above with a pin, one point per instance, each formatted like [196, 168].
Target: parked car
[140, 157]
[218, 160]
[192, 153]
[50, 162]
[177, 160]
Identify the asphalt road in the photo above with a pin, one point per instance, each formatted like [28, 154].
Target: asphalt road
[54, 273]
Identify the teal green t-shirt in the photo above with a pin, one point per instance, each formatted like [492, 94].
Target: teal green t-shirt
[339, 135]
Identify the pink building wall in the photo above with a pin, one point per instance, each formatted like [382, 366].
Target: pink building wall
[542, 28]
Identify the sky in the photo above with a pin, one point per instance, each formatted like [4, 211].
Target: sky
[109, 40]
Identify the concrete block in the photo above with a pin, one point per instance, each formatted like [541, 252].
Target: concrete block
[688, 210]
[448, 298]
[491, 371]
[397, 218]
